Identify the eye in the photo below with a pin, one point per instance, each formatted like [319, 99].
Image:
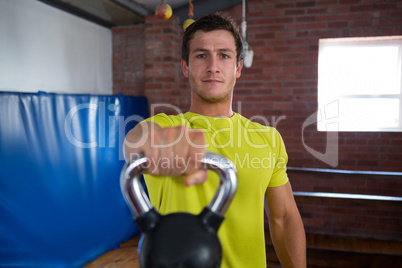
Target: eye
[200, 56]
[225, 56]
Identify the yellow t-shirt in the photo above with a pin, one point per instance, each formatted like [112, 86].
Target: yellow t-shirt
[259, 155]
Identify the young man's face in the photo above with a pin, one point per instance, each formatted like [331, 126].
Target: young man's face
[212, 69]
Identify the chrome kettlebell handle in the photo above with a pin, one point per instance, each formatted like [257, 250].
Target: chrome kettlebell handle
[139, 203]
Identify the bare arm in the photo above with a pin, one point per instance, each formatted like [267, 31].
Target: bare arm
[286, 226]
[172, 151]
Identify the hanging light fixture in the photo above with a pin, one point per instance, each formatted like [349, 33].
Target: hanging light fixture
[189, 21]
[248, 53]
[163, 11]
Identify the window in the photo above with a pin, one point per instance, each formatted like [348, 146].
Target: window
[360, 84]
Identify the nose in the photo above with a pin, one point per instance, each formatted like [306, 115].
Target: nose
[213, 64]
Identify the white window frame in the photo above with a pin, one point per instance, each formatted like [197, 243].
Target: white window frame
[332, 98]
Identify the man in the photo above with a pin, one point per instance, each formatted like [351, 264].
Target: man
[212, 61]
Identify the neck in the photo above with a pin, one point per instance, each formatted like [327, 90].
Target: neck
[213, 110]
[221, 108]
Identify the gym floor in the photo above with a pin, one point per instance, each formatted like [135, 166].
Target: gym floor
[322, 251]
[125, 256]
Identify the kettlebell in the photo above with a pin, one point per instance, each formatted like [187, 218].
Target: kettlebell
[179, 239]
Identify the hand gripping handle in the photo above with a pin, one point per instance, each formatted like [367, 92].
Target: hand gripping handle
[139, 203]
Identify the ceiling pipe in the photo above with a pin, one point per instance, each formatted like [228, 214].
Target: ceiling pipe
[133, 7]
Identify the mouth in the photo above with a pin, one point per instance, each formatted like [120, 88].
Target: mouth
[212, 81]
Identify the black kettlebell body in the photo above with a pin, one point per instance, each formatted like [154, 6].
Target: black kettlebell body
[180, 239]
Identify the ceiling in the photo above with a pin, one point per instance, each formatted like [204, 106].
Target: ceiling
[110, 13]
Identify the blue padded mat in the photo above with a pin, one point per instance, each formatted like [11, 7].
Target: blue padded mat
[60, 163]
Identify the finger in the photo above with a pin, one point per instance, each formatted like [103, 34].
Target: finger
[152, 153]
[136, 141]
[197, 177]
[168, 139]
[197, 151]
[180, 152]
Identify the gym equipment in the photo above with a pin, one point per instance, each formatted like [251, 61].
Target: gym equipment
[180, 239]
[163, 11]
[60, 159]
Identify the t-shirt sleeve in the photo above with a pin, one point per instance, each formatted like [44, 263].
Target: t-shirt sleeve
[279, 175]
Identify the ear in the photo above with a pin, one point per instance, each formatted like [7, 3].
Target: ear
[184, 67]
[238, 69]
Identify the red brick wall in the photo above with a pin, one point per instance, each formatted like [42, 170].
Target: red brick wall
[366, 219]
[128, 60]
[283, 79]
[281, 88]
[164, 81]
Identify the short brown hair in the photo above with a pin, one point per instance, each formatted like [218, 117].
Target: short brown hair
[208, 23]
